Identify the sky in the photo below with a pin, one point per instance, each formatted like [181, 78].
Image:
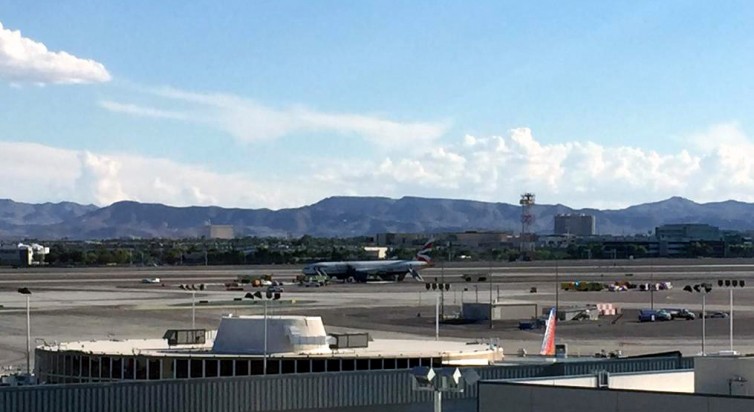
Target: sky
[277, 104]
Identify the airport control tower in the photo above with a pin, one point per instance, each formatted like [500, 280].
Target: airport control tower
[527, 220]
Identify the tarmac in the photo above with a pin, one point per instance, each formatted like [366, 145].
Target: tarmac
[70, 304]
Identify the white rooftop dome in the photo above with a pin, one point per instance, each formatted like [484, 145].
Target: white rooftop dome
[285, 334]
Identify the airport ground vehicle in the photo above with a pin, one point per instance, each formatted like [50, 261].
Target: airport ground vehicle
[648, 315]
[681, 314]
[312, 280]
[717, 315]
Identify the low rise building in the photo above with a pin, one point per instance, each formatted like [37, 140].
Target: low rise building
[240, 347]
[575, 224]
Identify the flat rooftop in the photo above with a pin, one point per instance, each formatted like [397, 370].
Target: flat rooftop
[393, 348]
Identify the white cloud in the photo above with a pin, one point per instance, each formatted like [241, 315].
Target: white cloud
[249, 121]
[23, 60]
[493, 168]
[142, 111]
[41, 173]
[578, 174]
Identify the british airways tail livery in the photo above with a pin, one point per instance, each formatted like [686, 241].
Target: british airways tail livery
[548, 343]
[365, 270]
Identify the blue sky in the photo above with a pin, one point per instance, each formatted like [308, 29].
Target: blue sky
[280, 103]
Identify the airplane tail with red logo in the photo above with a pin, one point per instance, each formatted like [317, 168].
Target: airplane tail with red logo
[422, 255]
[548, 343]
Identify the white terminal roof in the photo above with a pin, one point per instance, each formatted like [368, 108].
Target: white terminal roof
[451, 352]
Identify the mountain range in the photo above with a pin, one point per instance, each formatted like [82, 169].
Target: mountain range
[343, 217]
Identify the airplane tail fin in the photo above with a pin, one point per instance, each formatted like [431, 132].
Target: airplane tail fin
[422, 255]
[548, 343]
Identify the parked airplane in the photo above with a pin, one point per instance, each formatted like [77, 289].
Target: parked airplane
[365, 270]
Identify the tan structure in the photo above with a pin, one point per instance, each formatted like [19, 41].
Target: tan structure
[376, 252]
[482, 240]
[219, 232]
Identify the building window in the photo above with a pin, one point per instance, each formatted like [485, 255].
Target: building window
[197, 368]
[273, 366]
[362, 364]
[210, 368]
[303, 366]
[288, 366]
[168, 368]
[348, 364]
[256, 367]
[75, 366]
[154, 369]
[105, 367]
[129, 368]
[85, 366]
[318, 365]
[94, 366]
[117, 368]
[141, 368]
[226, 367]
[242, 367]
[333, 365]
[375, 364]
[181, 368]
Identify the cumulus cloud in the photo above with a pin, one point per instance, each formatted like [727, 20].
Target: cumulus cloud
[249, 121]
[23, 60]
[42, 173]
[715, 167]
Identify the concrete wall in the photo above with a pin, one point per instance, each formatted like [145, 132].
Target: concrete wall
[718, 375]
[573, 381]
[513, 397]
[664, 381]
[681, 381]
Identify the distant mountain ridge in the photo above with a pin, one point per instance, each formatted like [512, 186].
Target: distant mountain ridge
[344, 217]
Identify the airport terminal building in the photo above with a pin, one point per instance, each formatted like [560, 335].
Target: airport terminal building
[294, 345]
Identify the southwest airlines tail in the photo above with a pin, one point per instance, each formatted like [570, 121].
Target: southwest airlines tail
[548, 343]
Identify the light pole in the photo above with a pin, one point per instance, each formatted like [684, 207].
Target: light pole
[437, 316]
[270, 295]
[704, 289]
[27, 292]
[264, 360]
[450, 379]
[557, 290]
[731, 284]
[193, 309]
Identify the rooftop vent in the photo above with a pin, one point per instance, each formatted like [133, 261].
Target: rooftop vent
[185, 336]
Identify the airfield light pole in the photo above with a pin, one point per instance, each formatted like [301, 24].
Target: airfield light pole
[27, 292]
[437, 319]
[491, 311]
[476, 292]
[557, 289]
[193, 309]
[651, 288]
[704, 289]
[704, 325]
[731, 319]
[264, 360]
